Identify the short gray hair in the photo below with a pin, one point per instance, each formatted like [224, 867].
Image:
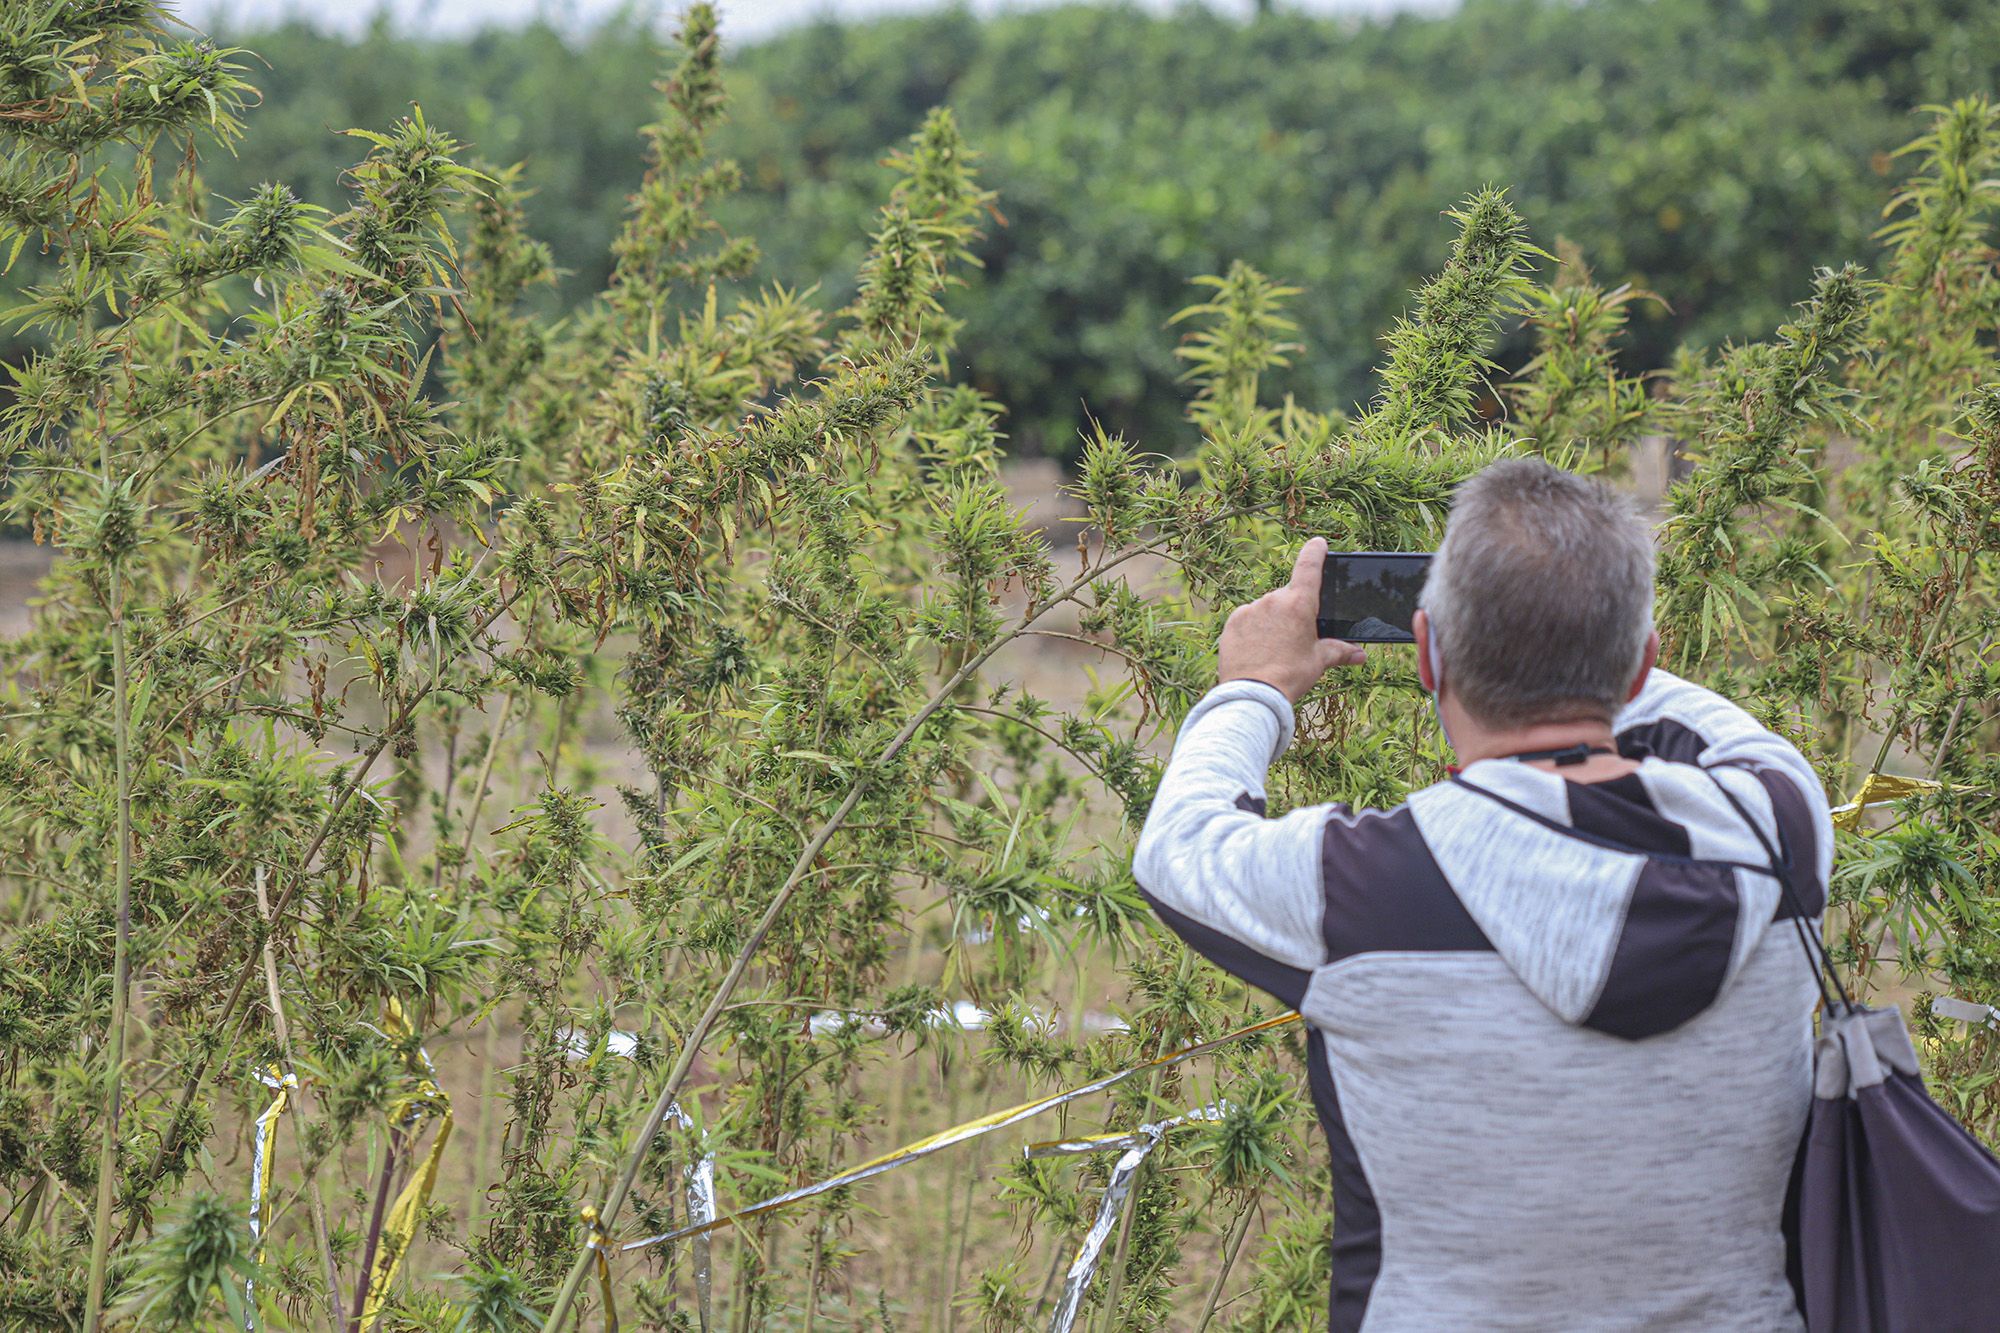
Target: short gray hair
[1541, 596]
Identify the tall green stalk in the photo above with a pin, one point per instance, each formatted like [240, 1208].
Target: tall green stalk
[1233, 1234]
[121, 965]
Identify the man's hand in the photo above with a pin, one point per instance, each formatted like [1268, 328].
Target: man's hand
[1275, 639]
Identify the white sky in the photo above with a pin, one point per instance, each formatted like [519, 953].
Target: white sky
[742, 19]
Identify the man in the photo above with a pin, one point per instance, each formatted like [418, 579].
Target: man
[1559, 1021]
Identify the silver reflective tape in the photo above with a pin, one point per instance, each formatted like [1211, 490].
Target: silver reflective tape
[577, 1045]
[257, 1151]
[957, 1134]
[1106, 1142]
[1136, 1147]
[1084, 1267]
[700, 1180]
[1078, 1147]
[260, 1153]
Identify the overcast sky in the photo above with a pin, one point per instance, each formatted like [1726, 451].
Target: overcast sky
[744, 19]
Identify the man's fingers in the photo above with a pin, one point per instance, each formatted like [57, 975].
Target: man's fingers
[1308, 568]
[1339, 652]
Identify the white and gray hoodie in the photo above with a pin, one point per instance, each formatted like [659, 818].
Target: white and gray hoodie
[1559, 1040]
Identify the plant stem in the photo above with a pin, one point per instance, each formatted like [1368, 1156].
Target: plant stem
[483, 1165]
[314, 1203]
[1951, 723]
[958, 1247]
[1241, 1226]
[1049, 1282]
[812, 1276]
[382, 1184]
[479, 787]
[1119, 1256]
[1923, 654]
[121, 966]
[938, 1296]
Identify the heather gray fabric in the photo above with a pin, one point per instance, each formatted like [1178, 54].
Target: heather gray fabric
[1566, 1090]
[1859, 1049]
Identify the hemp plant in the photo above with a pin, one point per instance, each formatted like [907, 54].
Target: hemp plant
[497, 772]
[222, 420]
[1831, 557]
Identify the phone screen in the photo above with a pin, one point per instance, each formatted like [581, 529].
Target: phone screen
[1371, 596]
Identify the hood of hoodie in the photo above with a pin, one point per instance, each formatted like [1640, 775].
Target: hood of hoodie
[1627, 906]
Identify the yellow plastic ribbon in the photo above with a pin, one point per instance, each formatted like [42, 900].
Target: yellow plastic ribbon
[957, 1134]
[1880, 789]
[261, 1159]
[596, 1244]
[399, 1228]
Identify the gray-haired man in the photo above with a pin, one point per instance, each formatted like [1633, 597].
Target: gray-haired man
[1559, 1034]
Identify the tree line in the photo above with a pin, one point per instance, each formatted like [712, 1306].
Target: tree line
[1710, 151]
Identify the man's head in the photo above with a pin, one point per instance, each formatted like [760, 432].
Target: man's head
[1539, 605]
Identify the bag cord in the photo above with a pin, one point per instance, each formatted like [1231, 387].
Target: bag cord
[1778, 866]
[1817, 957]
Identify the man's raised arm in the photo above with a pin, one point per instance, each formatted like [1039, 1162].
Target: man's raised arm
[1243, 889]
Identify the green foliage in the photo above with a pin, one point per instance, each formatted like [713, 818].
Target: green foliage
[202, 1259]
[1570, 401]
[1706, 150]
[619, 727]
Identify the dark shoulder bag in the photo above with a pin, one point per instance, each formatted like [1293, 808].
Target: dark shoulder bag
[1898, 1205]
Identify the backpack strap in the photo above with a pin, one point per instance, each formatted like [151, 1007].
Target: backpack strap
[1780, 856]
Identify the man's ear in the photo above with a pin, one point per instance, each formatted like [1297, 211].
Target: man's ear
[1427, 676]
[1647, 660]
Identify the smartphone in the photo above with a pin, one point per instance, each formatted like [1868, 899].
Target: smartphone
[1371, 596]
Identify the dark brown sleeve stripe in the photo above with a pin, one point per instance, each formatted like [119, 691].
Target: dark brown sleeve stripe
[1384, 891]
[1798, 843]
[1676, 742]
[1233, 956]
[1622, 810]
[1673, 954]
[1357, 1221]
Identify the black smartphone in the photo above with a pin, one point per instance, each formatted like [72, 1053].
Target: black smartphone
[1371, 596]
